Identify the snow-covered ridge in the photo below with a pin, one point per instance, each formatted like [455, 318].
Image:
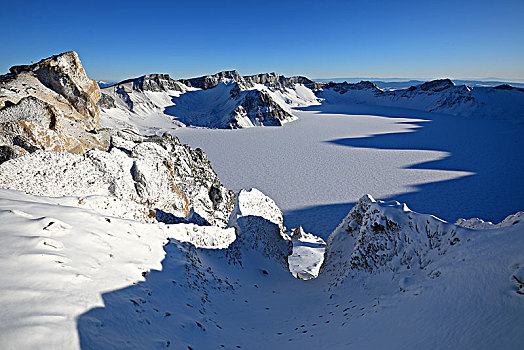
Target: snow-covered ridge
[229, 100]
[222, 100]
[479, 224]
[169, 180]
[442, 96]
[379, 236]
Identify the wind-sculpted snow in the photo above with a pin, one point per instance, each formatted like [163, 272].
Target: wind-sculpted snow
[58, 258]
[378, 236]
[168, 178]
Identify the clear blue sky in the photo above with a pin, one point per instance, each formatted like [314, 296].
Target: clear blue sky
[320, 39]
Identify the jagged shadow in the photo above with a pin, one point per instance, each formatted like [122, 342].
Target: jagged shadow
[168, 309]
[193, 297]
[491, 150]
[193, 108]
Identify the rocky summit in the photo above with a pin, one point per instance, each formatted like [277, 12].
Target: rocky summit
[50, 105]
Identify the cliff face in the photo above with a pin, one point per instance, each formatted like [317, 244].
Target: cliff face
[50, 105]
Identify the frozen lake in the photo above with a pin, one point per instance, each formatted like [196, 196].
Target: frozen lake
[316, 168]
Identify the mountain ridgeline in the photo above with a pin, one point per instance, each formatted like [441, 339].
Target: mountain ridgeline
[229, 100]
[94, 210]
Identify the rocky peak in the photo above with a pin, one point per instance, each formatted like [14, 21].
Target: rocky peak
[377, 236]
[258, 107]
[210, 81]
[365, 84]
[50, 105]
[276, 81]
[65, 75]
[345, 86]
[152, 82]
[437, 85]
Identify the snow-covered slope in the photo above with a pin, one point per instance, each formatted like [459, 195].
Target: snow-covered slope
[442, 96]
[223, 100]
[231, 290]
[170, 181]
[58, 258]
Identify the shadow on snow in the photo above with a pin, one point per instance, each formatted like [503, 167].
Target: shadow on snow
[491, 150]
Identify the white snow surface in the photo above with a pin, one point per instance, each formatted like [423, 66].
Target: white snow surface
[59, 258]
[308, 254]
[317, 167]
[74, 278]
[254, 203]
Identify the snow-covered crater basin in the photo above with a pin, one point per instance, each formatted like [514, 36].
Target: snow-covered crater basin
[317, 167]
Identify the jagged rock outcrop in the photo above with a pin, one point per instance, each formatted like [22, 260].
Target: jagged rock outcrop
[49, 105]
[175, 182]
[222, 100]
[378, 236]
[211, 81]
[259, 227]
[129, 94]
[272, 80]
[437, 85]
[259, 109]
[345, 87]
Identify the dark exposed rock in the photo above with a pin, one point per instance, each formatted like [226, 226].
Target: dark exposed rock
[7, 153]
[152, 82]
[106, 101]
[210, 81]
[437, 85]
[259, 107]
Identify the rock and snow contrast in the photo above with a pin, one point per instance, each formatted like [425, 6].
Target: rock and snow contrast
[223, 100]
[116, 235]
[441, 96]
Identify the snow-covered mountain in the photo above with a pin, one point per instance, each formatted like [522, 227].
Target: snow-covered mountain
[442, 96]
[229, 100]
[223, 100]
[184, 285]
[130, 241]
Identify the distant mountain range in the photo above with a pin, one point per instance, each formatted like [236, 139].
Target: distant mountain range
[229, 100]
[404, 83]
